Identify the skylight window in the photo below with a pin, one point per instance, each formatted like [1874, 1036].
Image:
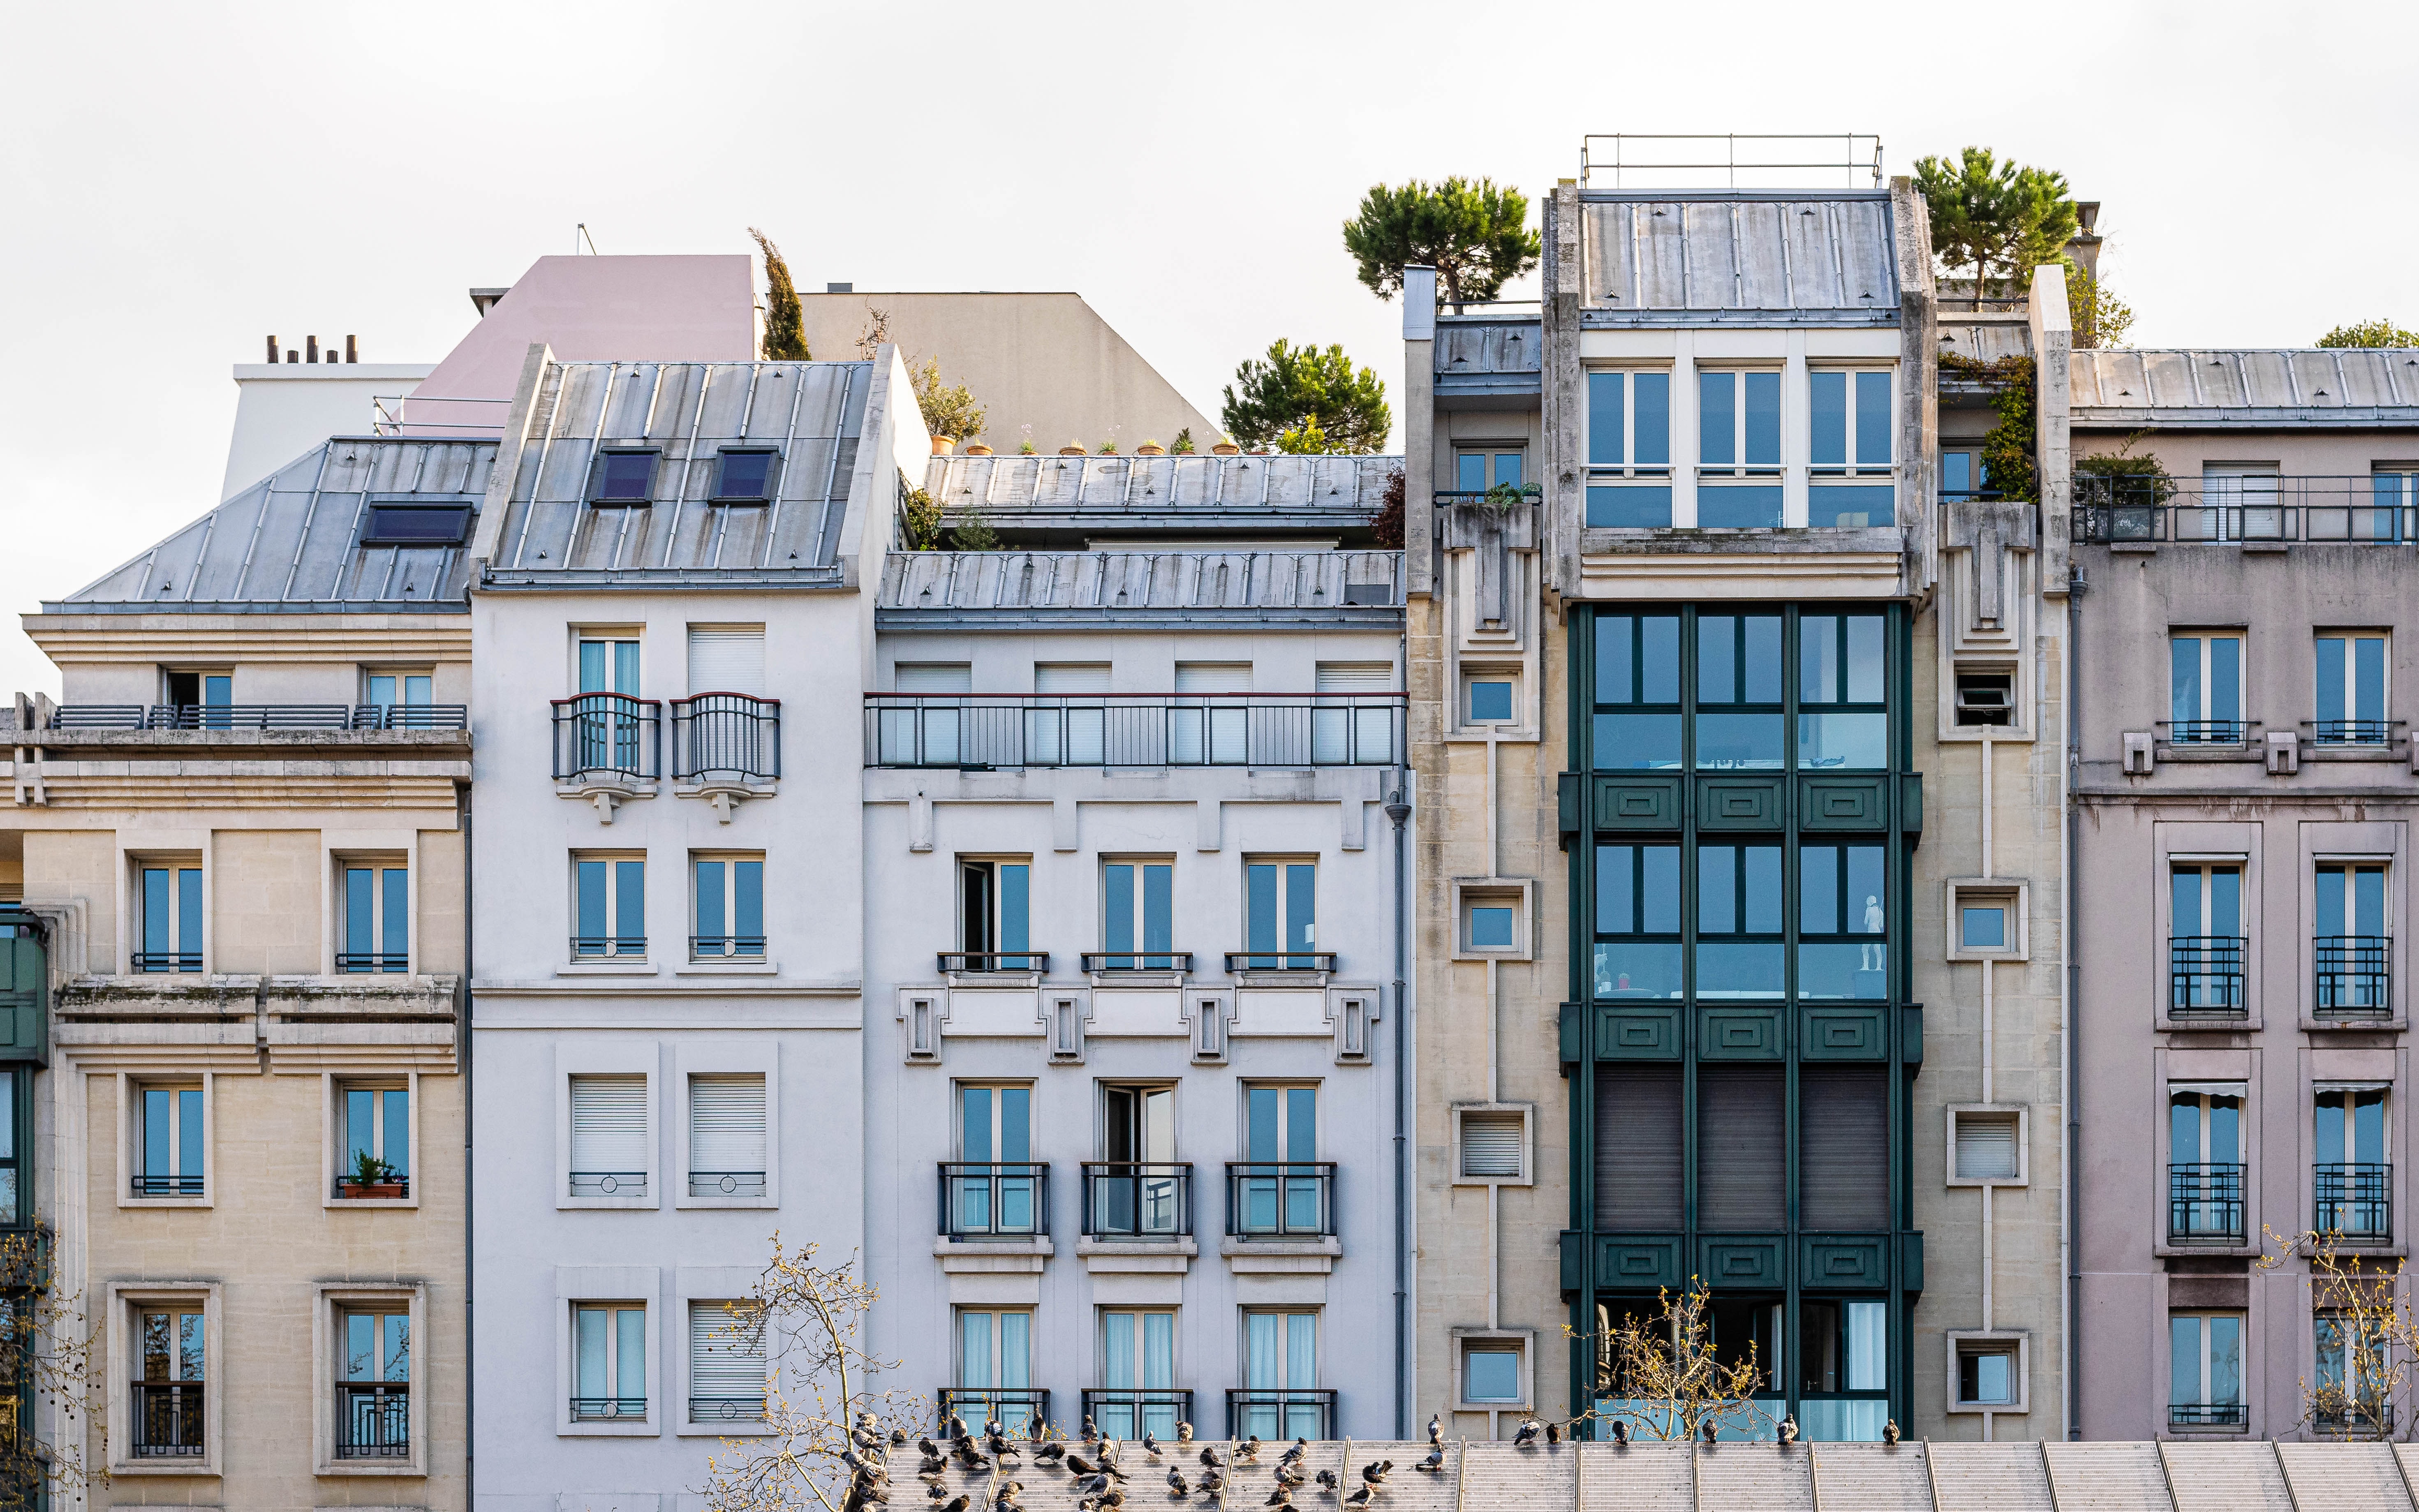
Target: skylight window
[626, 478]
[744, 477]
[416, 525]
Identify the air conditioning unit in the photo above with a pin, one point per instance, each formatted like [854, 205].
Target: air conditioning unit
[2284, 752]
[2141, 755]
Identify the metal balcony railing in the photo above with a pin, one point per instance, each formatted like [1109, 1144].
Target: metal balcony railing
[348, 1190]
[373, 961]
[726, 1184]
[2351, 732]
[607, 734]
[591, 947]
[726, 737]
[1279, 1413]
[986, 1200]
[1013, 1408]
[2205, 976]
[2357, 509]
[150, 961]
[2354, 975]
[994, 960]
[984, 729]
[1280, 961]
[1138, 1201]
[168, 1419]
[727, 1408]
[2205, 1203]
[2207, 731]
[1137, 961]
[167, 1187]
[595, 1409]
[372, 1420]
[261, 717]
[725, 947]
[2354, 1199]
[609, 1183]
[1280, 1199]
[2207, 1415]
[1129, 1413]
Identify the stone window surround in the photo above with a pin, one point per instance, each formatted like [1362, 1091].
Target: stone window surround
[711, 1057]
[602, 1056]
[327, 1341]
[118, 1343]
[129, 1136]
[331, 1135]
[641, 1284]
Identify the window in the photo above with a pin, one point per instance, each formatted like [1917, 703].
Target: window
[744, 477]
[1742, 1139]
[169, 1141]
[1843, 1148]
[2351, 1170]
[12, 1212]
[1638, 921]
[1488, 699]
[1986, 698]
[2350, 945]
[198, 692]
[1138, 1375]
[995, 1188]
[1743, 1330]
[1279, 916]
[610, 731]
[1989, 1145]
[2355, 1372]
[996, 1366]
[1281, 1377]
[609, 1136]
[609, 907]
[2240, 504]
[2205, 938]
[1985, 922]
[374, 1384]
[1630, 449]
[1138, 1191]
[2205, 1370]
[1639, 1140]
[416, 525]
[2394, 488]
[1842, 720]
[1475, 470]
[1638, 692]
[1491, 925]
[1491, 1372]
[1211, 730]
[378, 918]
[1280, 1189]
[730, 908]
[2351, 690]
[1067, 724]
[1986, 1375]
[1849, 421]
[2205, 1165]
[170, 1380]
[726, 1362]
[391, 691]
[725, 1136]
[608, 1361]
[172, 918]
[726, 659]
[1842, 921]
[2205, 691]
[1842, 1352]
[993, 907]
[923, 726]
[1137, 915]
[1739, 675]
[1354, 720]
[1961, 475]
[624, 478]
[609, 667]
[1739, 949]
[375, 1152]
[1492, 1144]
[1738, 436]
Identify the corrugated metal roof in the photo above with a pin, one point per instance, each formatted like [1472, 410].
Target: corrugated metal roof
[291, 542]
[1059, 588]
[812, 413]
[1189, 492]
[2246, 387]
[1744, 258]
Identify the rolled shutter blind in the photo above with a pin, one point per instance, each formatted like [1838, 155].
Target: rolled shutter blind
[1491, 1143]
[1638, 1147]
[1355, 677]
[726, 1123]
[1331, 724]
[1843, 1147]
[936, 677]
[608, 1123]
[725, 1359]
[1742, 1151]
[1986, 1147]
[1065, 677]
[726, 661]
[1214, 676]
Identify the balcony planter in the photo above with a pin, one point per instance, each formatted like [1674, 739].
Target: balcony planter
[1073, 451]
[1226, 449]
[943, 445]
[370, 1190]
[1150, 449]
[978, 451]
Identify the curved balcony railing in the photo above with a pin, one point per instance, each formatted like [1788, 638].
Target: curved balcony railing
[726, 737]
[1265, 730]
[607, 734]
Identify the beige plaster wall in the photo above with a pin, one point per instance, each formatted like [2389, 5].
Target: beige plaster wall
[267, 908]
[67, 865]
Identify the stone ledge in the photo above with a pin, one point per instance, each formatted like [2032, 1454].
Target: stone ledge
[1115, 1257]
[1004, 1257]
[1260, 1257]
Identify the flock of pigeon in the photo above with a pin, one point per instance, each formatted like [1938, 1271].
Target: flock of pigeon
[1099, 1481]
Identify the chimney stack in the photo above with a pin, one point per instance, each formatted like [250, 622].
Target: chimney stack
[311, 349]
[352, 350]
[272, 348]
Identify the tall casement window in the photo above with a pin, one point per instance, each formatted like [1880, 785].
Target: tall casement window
[378, 919]
[1842, 1369]
[1842, 921]
[1739, 947]
[610, 725]
[1842, 717]
[2349, 945]
[1738, 723]
[726, 1359]
[1738, 437]
[1849, 421]
[1138, 914]
[374, 1384]
[1281, 1398]
[1137, 1392]
[609, 907]
[609, 1136]
[608, 1363]
[1630, 449]
[169, 1141]
[171, 899]
[1638, 920]
[1281, 1187]
[2351, 1174]
[389, 691]
[725, 1136]
[729, 904]
[994, 1187]
[1137, 1190]
[2356, 1369]
[994, 907]
[13, 1182]
[2350, 686]
[2205, 1165]
[171, 1377]
[1281, 917]
[375, 1121]
[2205, 1370]
[1637, 725]
[2205, 939]
[996, 1366]
[2205, 689]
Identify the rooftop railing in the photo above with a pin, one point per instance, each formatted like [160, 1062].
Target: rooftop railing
[261, 717]
[2365, 511]
[1156, 729]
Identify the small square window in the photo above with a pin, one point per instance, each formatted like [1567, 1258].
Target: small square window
[1490, 700]
[1986, 698]
[744, 477]
[626, 478]
[1490, 927]
[1983, 926]
[1490, 1375]
[1986, 1375]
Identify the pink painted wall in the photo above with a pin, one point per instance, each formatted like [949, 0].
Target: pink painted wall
[602, 309]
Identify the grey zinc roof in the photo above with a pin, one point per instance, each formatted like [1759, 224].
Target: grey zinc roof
[291, 542]
[1209, 492]
[2239, 388]
[1064, 589]
[812, 412]
[1739, 258]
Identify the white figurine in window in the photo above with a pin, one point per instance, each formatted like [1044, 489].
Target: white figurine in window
[1873, 959]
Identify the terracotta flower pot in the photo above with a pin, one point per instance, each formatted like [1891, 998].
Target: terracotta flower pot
[1073, 451]
[357, 1191]
[1150, 451]
[978, 451]
[1226, 449]
[943, 446]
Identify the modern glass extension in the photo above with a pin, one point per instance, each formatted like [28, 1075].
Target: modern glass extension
[1741, 811]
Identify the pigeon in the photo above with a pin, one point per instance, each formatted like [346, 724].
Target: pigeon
[1363, 1496]
[960, 1504]
[1209, 1456]
[932, 1467]
[1251, 1449]
[1528, 1433]
[930, 1451]
[1708, 1431]
[1082, 1466]
[1889, 1431]
[1436, 1429]
[1434, 1463]
[1005, 1496]
[1326, 1481]
[1110, 1500]
[851, 1458]
[1289, 1474]
[1175, 1482]
[1301, 1446]
[1093, 1486]
[1091, 1434]
[898, 1437]
[1211, 1483]
[957, 1427]
[937, 1489]
[1184, 1432]
[1033, 1429]
[1050, 1454]
[1375, 1472]
[1282, 1496]
[1789, 1430]
[1620, 1430]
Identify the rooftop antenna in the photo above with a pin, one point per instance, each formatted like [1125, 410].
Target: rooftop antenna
[583, 235]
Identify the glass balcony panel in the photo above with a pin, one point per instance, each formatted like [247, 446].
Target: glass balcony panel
[1843, 742]
[1638, 742]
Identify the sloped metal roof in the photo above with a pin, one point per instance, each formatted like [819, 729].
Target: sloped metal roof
[1067, 589]
[812, 413]
[1187, 493]
[292, 542]
[2239, 388]
[1488, 358]
[1778, 257]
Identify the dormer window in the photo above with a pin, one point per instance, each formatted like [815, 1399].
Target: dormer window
[744, 477]
[624, 478]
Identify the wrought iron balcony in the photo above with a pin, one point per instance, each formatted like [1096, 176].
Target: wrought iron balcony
[1279, 1414]
[993, 961]
[727, 1408]
[2373, 733]
[724, 947]
[726, 1184]
[607, 1408]
[2205, 976]
[2207, 731]
[2354, 1199]
[609, 1183]
[2208, 1415]
[593, 946]
[726, 737]
[151, 960]
[168, 1419]
[373, 1420]
[373, 961]
[2205, 1204]
[608, 735]
[1129, 1413]
[988, 730]
[2354, 509]
[1133, 1200]
[1280, 1199]
[2354, 975]
[1280, 961]
[1137, 961]
[167, 1186]
[982, 1199]
[1011, 1407]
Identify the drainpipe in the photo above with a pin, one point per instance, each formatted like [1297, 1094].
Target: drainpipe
[462, 1057]
[2070, 1007]
[1397, 811]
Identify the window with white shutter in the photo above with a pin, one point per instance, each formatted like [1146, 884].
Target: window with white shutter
[1216, 731]
[1491, 1143]
[1059, 678]
[1986, 1147]
[609, 1136]
[726, 1137]
[1074, 732]
[936, 677]
[727, 659]
[726, 1362]
[1354, 722]
[1214, 676]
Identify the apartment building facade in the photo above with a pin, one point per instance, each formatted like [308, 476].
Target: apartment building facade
[241, 841]
[2244, 792]
[1139, 903]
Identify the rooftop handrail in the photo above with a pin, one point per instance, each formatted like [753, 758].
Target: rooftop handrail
[1153, 730]
[1858, 158]
[2356, 508]
[392, 415]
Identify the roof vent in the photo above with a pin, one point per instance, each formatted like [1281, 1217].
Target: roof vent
[485, 300]
[840, 288]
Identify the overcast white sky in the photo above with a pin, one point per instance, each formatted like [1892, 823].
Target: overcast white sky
[180, 178]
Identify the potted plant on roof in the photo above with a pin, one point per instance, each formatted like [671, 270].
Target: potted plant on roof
[1150, 448]
[1074, 449]
[372, 1177]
